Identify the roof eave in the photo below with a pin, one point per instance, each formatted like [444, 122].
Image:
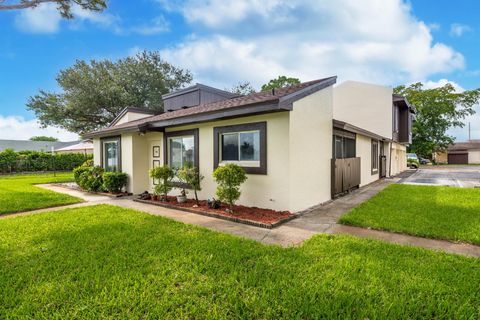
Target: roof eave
[287, 101]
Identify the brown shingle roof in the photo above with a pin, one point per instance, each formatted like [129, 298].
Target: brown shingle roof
[259, 98]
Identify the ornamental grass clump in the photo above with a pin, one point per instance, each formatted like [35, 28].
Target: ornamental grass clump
[229, 179]
[164, 175]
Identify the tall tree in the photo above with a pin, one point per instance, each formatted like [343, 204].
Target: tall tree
[438, 110]
[63, 6]
[243, 88]
[280, 82]
[95, 92]
[43, 138]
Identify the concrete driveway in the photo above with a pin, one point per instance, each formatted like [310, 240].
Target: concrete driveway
[455, 176]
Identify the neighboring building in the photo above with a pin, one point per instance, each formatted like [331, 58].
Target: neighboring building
[28, 145]
[300, 145]
[464, 152]
[84, 147]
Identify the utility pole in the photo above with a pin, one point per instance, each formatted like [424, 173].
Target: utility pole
[469, 132]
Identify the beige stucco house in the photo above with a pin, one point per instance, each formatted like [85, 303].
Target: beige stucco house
[300, 145]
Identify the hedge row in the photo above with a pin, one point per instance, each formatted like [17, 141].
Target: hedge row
[30, 161]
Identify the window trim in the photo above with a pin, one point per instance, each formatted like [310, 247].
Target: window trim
[118, 139]
[343, 134]
[172, 134]
[254, 126]
[375, 170]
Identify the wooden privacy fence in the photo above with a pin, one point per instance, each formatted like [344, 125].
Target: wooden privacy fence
[345, 175]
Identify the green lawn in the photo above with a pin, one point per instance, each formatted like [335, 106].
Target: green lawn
[427, 211]
[109, 262]
[17, 192]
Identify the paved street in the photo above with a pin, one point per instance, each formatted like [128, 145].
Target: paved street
[455, 176]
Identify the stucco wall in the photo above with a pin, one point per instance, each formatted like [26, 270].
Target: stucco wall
[131, 116]
[364, 151]
[96, 152]
[366, 106]
[399, 158]
[310, 150]
[265, 191]
[474, 156]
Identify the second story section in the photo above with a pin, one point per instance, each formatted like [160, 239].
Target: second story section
[366, 106]
[402, 120]
[194, 96]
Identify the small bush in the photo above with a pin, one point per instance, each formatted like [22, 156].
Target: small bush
[164, 175]
[77, 172]
[91, 179]
[229, 178]
[88, 163]
[114, 182]
[191, 176]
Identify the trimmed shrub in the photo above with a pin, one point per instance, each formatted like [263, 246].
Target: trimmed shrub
[114, 182]
[91, 179]
[229, 179]
[77, 173]
[88, 163]
[164, 175]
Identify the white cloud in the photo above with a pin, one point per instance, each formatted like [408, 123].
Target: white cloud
[42, 19]
[45, 18]
[458, 29]
[102, 19]
[377, 41]
[17, 128]
[440, 83]
[156, 25]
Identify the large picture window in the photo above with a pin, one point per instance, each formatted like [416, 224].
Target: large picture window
[243, 144]
[181, 148]
[111, 154]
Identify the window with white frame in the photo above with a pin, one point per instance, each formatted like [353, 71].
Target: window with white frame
[111, 154]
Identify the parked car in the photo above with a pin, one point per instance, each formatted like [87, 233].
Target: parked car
[423, 160]
[412, 161]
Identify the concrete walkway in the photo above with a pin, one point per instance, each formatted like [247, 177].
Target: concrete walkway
[322, 219]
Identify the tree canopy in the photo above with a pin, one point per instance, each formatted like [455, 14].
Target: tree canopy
[438, 110]
[95, 92]
[43, 138]
[280, 82]
[63, 6]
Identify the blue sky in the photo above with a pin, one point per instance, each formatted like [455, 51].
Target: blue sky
[223, 42]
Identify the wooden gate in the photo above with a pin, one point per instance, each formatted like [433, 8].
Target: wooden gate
[345, 175]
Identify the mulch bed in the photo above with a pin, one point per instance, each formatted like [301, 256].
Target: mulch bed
[265, 218]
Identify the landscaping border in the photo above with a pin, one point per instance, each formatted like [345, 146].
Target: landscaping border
[213, 215]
